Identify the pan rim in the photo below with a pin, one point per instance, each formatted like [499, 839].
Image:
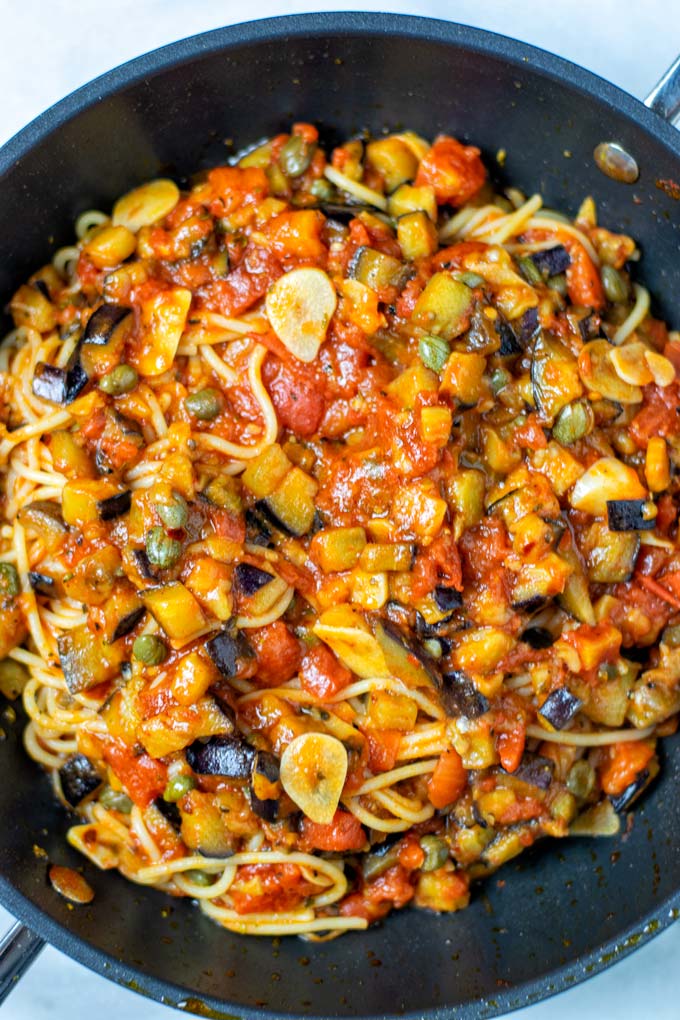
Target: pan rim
[313, 26]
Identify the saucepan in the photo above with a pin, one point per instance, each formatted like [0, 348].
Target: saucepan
[561, 912]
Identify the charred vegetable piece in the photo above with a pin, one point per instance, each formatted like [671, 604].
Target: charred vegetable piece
[291, 506]
[86, 660]
[443, 306]
[79, 779]
[257, 530]
[264, 788]
[630, 515]
[103, 322]
[59, 385]
[267, 809]
[447, 599]
[249, 579]
[559, 708]
[127, 622]
[510, 344]
[114, 506]
[226, 649]
[538, 637]
[551, 261]
[632, 791]
[554, 375]
[460, 697]
[405, 657]
[143, 564]
[221, 756]
[104, 340]
[535, 770]
[610, 555]
[375, 269]
[169, 810]
[43, 584]
[529, 326]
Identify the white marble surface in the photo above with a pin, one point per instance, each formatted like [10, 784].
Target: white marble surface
[53, 46]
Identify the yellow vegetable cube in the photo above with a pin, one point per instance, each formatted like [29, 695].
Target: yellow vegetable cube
[417, 509]
[386, 556]
[435, 425]
[392, 158]
[414, 380]
[266, 472]
[409, 198]
[210, 582]
[176, 610]
[80, 497]
[417, 235]
[463, 376]
[336, 549]
[370, 591]
[193, 676]
[443, 307]
[387, 711]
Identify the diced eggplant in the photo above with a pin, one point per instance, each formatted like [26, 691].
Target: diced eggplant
[551, 261]
[406, 658]
[225, 650]
[128, 622]
[535, 770]
[291, 506]
[43, 584]
[343, 213]
[79, 779]
[447, 598]
[143, 564]
[375, 269]
[599, 820]
[114, 506]
[460, 697]
[575, 599]
[424, 629]
[222, 756]
[510, 343]
[629, 515]
[103, 321]
[610, 555]
[538, 637]
[267, 810]
[560, 707]
[528, 326]
[589, 326]
[59, 385]
[104, 339]
[249, 579]
[267, 766]
[555, 377]
[257, 530]
[443, 307]
[43, 518]
[170, 812]
[264, 775]
[632, 792]
[85, 660]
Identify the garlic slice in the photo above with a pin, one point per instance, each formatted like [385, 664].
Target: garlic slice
[313, 773]
[299, 307]
[661, 368]
[146, 205]
[630, 364]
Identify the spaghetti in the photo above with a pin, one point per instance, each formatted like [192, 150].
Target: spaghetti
[338, 561]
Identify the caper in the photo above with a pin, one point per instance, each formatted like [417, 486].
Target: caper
[573, 422]
[204, 405]
[470, 279]
[173, 515]
[9, 580]
[121, 379]
[530, 271]
[161, 550]
[499, 380]
[295, 156]
[149, 649]
[115, 800]
[436, 852]
[558, 283]
[581, 779]
[322, 189]
[177, 787]
[615, 286]
[200, 877]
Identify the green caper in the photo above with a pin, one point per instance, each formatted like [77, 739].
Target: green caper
[581, 779]
[173, 515]
[121, 379]
[470, 279]
[115, 800]
[499, 380]
[295, 156]
[149, 649]
[436, 852]
[177, 787]
[573, 422]
[9, 580]
[558, 283]
[322, 189]
[162, 550]
[615, 286]
[200, 877]
[530, 271]
[204, 405]
[670, 636]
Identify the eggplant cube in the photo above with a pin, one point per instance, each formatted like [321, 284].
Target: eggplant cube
[629, 515]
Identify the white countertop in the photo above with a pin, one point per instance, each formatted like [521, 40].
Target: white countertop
[49, 49]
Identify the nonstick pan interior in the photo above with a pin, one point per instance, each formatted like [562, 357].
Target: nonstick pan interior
[563, 910]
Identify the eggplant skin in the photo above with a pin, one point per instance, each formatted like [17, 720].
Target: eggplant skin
[170, 812]
[632, 791]
[627, 515]
[58, 385]
[551, 261]
[42, 584]
[535, 770]
[222, 756]
[79, 779]
[127, 623]
[225, 650]
[460, 697]
[249, 579]
[560, 707]
[103, 322]
[538, 637]
[447, 598]
[267, 810]
[114, 506]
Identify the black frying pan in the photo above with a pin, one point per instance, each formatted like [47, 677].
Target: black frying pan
[565, 911]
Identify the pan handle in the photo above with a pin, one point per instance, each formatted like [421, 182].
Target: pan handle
[18, 949]
[664, 98]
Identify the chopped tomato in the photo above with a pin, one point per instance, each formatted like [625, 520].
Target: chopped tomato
[143, 778]
[383, 749]
[343, 834]
[448, 781]
[439, 564]
[658, 415]
[227, 524]
[523, 809]
[583, 279]
[297, 235]
[625, 762]
[246, 284]
[269, 887]
[296, 392]
[278, 653]
[392, 889]
[510, 738]
[321, 674]
[455, 171]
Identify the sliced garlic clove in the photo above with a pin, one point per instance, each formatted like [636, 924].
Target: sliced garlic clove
[146, 205]
[661, 368]
[313, 773]
[299, 307]
[608, 478]
[630, 364]
[597, 371]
